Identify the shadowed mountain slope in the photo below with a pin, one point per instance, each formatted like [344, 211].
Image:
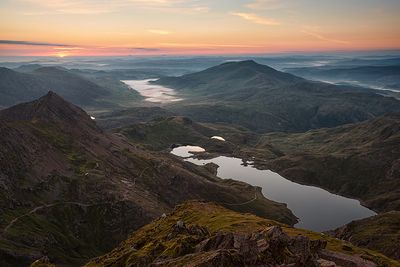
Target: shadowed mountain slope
[265, 100]
[380, 233]
[360, 160]
[17, 87]
[72, 192]
[380, 76]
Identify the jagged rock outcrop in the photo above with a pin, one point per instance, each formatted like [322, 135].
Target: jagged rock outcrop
[200, 234]
[71, 192]
[380, 233]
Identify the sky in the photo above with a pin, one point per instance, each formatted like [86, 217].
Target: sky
[185, 27]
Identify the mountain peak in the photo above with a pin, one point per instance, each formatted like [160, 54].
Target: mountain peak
[244, 71]
[243, 62]
[232, 75]
[52, 96]
[50, 108]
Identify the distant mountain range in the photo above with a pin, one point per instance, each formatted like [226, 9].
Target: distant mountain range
[29, 82]
[73, 187]
[264, 100]
[17, 87]
[72, 192]
[384, 77]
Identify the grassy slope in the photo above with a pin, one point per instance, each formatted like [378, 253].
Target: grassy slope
[380, 233]
[265, 100]
[216, 219]
[359, 160]
[92, 189]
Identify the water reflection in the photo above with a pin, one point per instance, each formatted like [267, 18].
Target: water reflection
[317, 209]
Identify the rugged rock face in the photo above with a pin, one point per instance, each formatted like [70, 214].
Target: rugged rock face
[380, 233]
[269, 247]
[71, 192]
[204, 234]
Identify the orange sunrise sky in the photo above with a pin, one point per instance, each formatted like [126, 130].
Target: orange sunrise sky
[181, 27]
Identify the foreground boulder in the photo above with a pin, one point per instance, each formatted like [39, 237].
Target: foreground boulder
[204, 234]
[71, 192]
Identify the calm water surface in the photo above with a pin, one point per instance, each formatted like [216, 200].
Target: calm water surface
[317, 209]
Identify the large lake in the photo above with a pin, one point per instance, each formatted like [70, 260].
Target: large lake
[317, 209]
[153, 92]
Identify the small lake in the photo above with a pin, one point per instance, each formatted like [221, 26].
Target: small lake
[316, 208]
[153, 92]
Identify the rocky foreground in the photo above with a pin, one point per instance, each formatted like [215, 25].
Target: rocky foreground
[205, 234]
[71, 192]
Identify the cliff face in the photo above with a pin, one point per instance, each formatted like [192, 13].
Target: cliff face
[380, 233]
[71, 192]
[205, 234]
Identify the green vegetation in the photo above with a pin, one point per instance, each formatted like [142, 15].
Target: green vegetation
[358, 160]
[380, 233]
[265, 100]
[154, 240]
[160, 134]
[72, 192]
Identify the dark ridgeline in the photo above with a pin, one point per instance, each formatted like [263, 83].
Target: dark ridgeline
[72, 192]
[266, 100]
[18, 86]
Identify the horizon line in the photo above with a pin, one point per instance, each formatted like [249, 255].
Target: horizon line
[219, 54]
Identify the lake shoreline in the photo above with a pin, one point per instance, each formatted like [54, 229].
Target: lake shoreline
[317, 208]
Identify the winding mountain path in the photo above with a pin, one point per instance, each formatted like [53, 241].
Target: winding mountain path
[243, 203]
[12, 222]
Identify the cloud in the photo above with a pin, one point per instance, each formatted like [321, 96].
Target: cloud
[265, 4]
[146, 49]
[324, 38]
[256, 19]
[92, 7]
[196, 45]
[161, 32]
[14, 42]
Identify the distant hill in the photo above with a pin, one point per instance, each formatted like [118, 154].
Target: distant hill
[71, 192]
[387, 77]
[380, 233]
[263, 99]
[360, 160]
[29, 82]
[17, 87]
[134, 115]
[229, 77]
